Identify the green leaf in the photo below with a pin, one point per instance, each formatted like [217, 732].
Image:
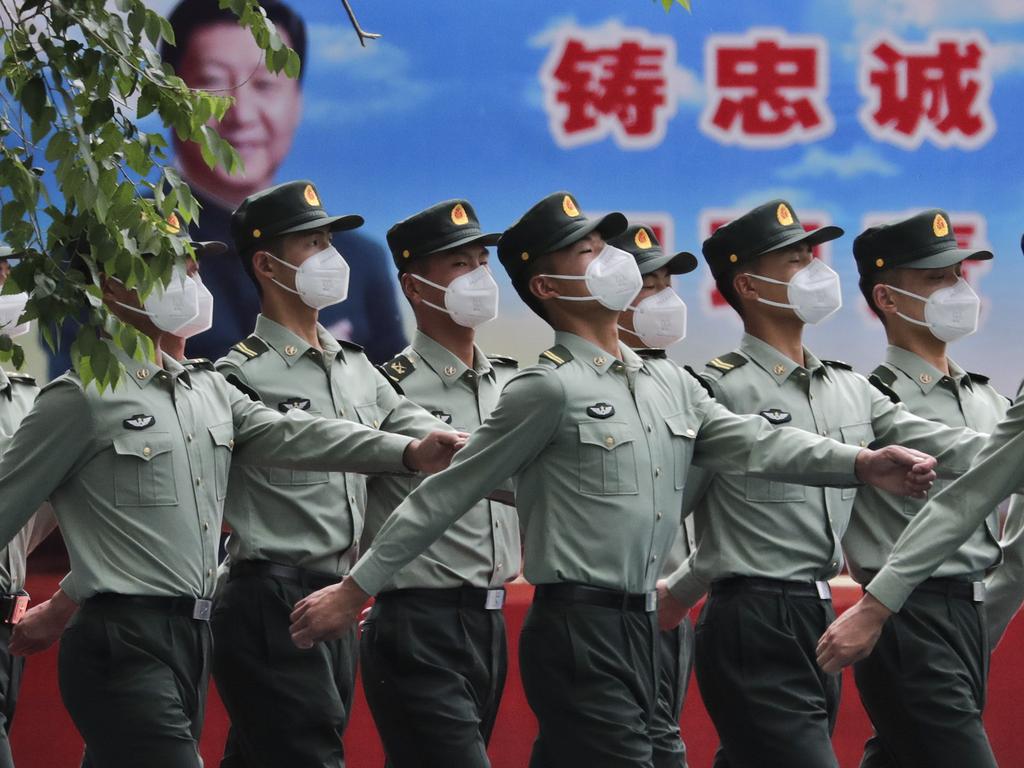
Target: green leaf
[33, 97]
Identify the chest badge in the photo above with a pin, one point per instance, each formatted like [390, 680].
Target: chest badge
[139, 421]
[601, 410]
[442, 415]
[293, 404]
[776, 416]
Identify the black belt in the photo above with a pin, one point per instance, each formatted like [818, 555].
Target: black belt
[954, 588]
[819, 590]
[13, 607]
[467, 597]
[304, 576]
[197, 608]
[606, 598]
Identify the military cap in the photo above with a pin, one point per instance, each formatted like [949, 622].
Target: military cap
[922, 241]
[641, 241]
[283, 209]
[769, 227]
[553, 223]
[440, 227]
[202, 247]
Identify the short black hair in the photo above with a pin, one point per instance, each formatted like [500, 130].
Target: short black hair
[724, 284]
[189, 15]
[522, 285]
[274, 245]
[867, 285]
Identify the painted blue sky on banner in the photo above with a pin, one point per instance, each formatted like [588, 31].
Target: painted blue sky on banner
[854, 112]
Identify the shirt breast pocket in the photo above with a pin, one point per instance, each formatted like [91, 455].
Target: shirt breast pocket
[684, 428]
[223, 436]
[370, 415]
[144, 470]
[293, 477]
[607, 464]
[861, 435]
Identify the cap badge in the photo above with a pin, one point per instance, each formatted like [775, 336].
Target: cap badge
[784, 215]
[173, 226]
[569, 207]
[642, 239]
[940, 226]
[310, 196]
[459, 215]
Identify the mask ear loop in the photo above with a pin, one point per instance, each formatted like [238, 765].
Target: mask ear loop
[769, 302]
[432, 284]
[278, 283]
[922, 323]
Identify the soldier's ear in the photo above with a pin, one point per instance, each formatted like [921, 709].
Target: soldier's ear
[544, 288]
[411, 288]
[884, 299]
[744, 286]
[263, 264]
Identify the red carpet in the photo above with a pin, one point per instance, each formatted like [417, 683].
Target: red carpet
[44, 737]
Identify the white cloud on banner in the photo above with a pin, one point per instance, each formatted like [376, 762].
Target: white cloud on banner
[892, 14]
[1006, 58]
[861, 160]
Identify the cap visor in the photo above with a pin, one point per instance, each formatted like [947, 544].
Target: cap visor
[209, 247]
[486, 239]
[947, 259]
[812, 238]
[678, 264]
[607, 226]
[334, 223]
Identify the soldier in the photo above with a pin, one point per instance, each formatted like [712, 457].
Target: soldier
[657, 320]
[294, 531]
[137, 476]
[924, 685]
[766, 550]
[433, 649]
[599, 445]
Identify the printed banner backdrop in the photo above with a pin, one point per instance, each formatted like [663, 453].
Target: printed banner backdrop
[854, 112]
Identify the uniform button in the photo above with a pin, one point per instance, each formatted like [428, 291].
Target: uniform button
[206, 526]
[653, 558]
[609, 441]
[146, 451]
[660, 515]
[376, 423]
[290, 350]
[199, 481]
[209, 571]
[231, 443]
[500, 565]
[189, 438]
[650, 428]
[824, 433]
[691, 433]
[341, 411]
[835, 563]
[863, 443]
[657, 471]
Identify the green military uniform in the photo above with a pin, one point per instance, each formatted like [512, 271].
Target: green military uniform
[434, 648]
[293, 530]
[137, 477]
[600, 447]
[676, 645]
[766, 550]
[924, 684]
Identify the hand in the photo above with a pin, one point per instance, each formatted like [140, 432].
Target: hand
[853, 635]
[671, 612]
[434, 452]
[896, 469]
[327, 613]
[42, 625]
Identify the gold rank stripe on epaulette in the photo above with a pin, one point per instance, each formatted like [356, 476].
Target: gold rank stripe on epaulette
[252, 347]
[558, 355]
[838, 364]
[728, 362]
[398, 367]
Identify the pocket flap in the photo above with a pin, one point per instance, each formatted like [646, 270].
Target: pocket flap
[143, 445]
[858, 434]
[683, 424]
[224, 434]
[606, 434]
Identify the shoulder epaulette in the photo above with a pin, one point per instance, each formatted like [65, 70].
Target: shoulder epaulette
[397, 368]
[252, 347]
[346, 344]
[978, 378]
[728, 362]
[558, 355]
[503, 360]
[245, 389]
[700, 380]
[22, 378]
[882, 378]
[837, 364]
[200, 363]
[650, 353]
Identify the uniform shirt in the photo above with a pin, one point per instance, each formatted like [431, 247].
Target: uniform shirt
[1005, 585]
[752, 526]
[17, 393]
[952, 517]
[303, 517]
[137, 475]
[600, 449]
[958, 400]
[481, 548]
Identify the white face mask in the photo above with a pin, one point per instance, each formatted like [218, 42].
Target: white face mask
[813, 292]
[173, 306]
[11, 308]
[321, 280]
[613, 279]
[204, 320]
[470, 299]
[950, 313]
[659, 321]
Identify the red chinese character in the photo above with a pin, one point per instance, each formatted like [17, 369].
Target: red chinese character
[767, 89]
[610, 81]
[937, 91]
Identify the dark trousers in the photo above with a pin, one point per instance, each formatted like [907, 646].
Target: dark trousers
[11, 668]
[676, 663]
[433, 673]
[590, 678]
[760, 681]
[134, 681]
[924, 686]
[288, 707]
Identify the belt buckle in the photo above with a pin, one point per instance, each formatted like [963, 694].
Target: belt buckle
[202, 609]
[978, 591]
[495, 600]
[824, 590]
[651, 601]
[19, 608]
